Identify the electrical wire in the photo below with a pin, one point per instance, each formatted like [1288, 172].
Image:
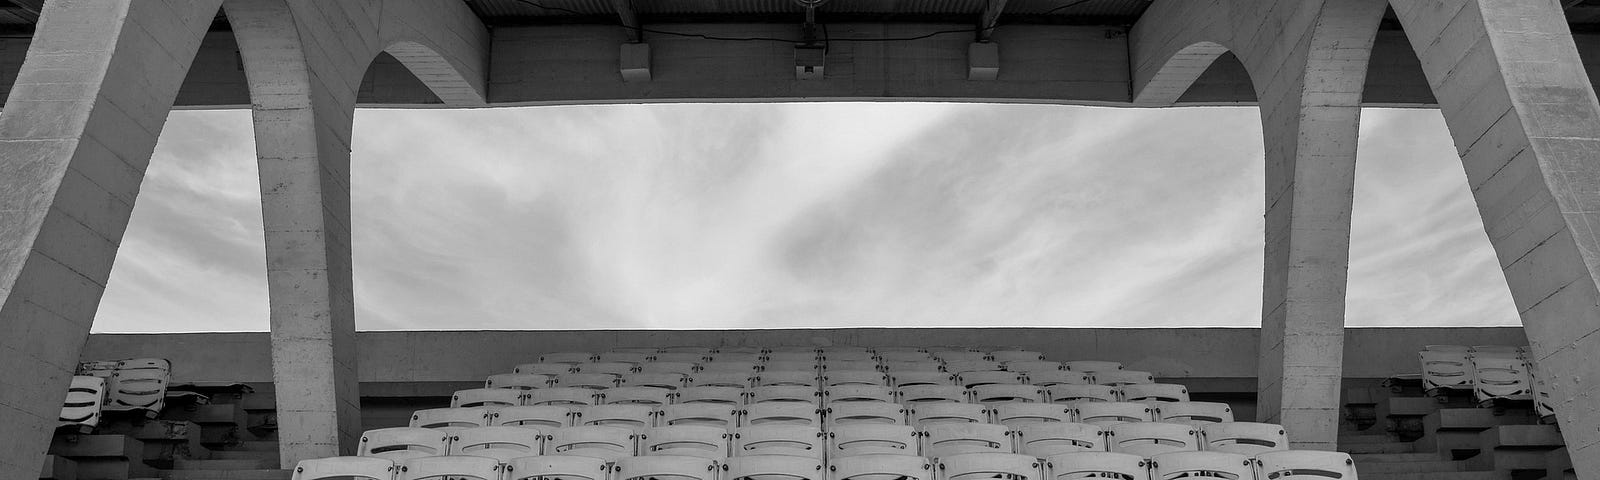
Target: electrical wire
[535, 4]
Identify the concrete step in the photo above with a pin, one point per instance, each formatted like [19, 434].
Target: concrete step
[1410, 467]
[1361, 458]
[225, 474]
[234, 464]
[255, 446]
[1436, 476]
[1386, 447]
[244, 455]
[1367, 438]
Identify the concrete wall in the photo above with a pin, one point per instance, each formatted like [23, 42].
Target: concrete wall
[464, 356]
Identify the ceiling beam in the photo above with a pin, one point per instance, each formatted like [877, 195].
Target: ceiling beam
[991, 18]
[630, 20]
[29, 8]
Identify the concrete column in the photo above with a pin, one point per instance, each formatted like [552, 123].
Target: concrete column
[1308, 62]
[1527, 125]
[75, 137]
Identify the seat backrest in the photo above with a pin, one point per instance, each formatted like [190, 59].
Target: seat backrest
[1065, 393]
[637, 395]
[722, 416]
[858, 393]
[1045, 378]
[558, 466]
[1015, 414]
[1221, 465]
[138, 384]
[790, 378]
[1244, 438]
[793, 356]
[667, 380]
[748, 367]
[771, 439]
[1152, 438]
[880, 467]
[593, 381]
[985, 377]
[1005, 356]
[1091, 366]
[450, 419]
[503, 443]
[85, 398]
[907, 379]
[665, 467]
[1194, 413]
[538, 416]
[630, 416]
[1053, 438]
[774, 466]
[854, 377]
[925, 414]
[1123, 377]
[1153, 392]
[1500, 377]
[1009, 393]
[958, 366]
[599, 441]
[634, 357]
[1097, 465]
[939, 440]
[783, 393]
[690, 440]
[737, 356]
[543, 368]
[847, 413]
[904, 356]
[1104, 413]
[610, 368]
[836, 355]
[905, 366]
[983, 466]
[710, 394]
[681, 357]
[403, 442]
[660, 366]
[1304, 465]
[721, 379]
[1445, 369]
[344, 467]
[567, 357]
[961, 356]
[931, 393]
[1026, 366]
[573, 396]
[864, 439]
[840, 364]
[486, 397]
[522, 381]
[782, 413]
[461, 467]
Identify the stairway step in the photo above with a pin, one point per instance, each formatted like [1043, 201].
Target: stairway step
[244, 455]
[1437, 476]
[1388, 447]
[255, 446]
[232, 464]
[1369, 438]
[1362, 458]
[1410, 467]
[225, 474]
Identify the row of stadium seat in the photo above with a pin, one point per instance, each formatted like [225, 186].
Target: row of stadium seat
[909, 394]
[638, 416]
[801, 354]
[742, 379]
[138, 384]
[1489, 372]
[1278, 465]
[689, 366]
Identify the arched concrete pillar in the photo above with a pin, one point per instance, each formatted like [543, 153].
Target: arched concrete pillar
[304, 60]
[75, 137]
[1527, 125]
[1308, 62]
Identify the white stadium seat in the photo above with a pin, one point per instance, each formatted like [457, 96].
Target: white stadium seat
[737, 355]
[686, 440]
[550, 369]
[1500, 378]
[1152, 438]
[595, 381]
[720, 379]
[1045, 378]
[1009, 393]
[639, 395]
[870, 439]
[931, 393]
[794, 356]
[1091, 366]
[854, 377]
[1244, 438]
[1026, 366]
[460, 467]
[85, 398]
[1098, 465]
[880, 467]
[913, 366]
[1055, 438]
[539, 416]
[665, 466]
[138, 384]
[1153, 392]
[1202, 465]
[945, 439]
[598, 441]
[667, 380]
[567, 357]
[616, 369]
[783, 393]
[1194, 413]
[344, 467]
[681, 357]
[658, 366]
[958, 366]
[829, 365]
[722, 416]
[782, 413]
[1006, 356]
[1305, 465]
[501, 443]
[773, 467]
[858, 393]
[630, 416]
[710, 394]
[521, 381]
[924, 414]
[1123, 377]
[1015, 414]
[904, 356]
[1105, 413]
[745, 367]
[804, 372]
[565, 467]
[974, 378]
[626, 357]
[976, 466]
[560, 396]
[486, 397]
[794, 440]
[961, 356]
[403, 442]
[1065, 393]
[1445, 367]
[906, 379]
[450, 419]
[848, 413]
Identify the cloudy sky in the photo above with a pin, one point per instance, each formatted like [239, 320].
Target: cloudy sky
[803, 215]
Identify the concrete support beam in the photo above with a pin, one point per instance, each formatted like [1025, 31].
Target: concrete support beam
[1526, 122]
[76, 134]
[629, 19]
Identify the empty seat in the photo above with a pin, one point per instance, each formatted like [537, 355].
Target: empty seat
[1006, 356]
[598, 441]
[665, 466]
[869, 439]
[712, 414]
[667, 380]
[1110, 465]
[85, 397]
[858, 393]
[648, 350]
[626, 357]
[972, 466]
[1123, 377]
[806, 378]
[925, 414]
[847, 413]
[1500, 378]
[961, 356]
[998, 392]
[737, 356]
[1055, 438]
[959, 366]
[450, 419]
[931, 393]
[782, 413]
[611, 368]
[1153, 392]
[1244, 438]
[567, 357]
[560, 396]
[1151, 438]
[1065, 393]
[403, 442]
[905, 379]
[630, 416]
[1543, 400]
[1194, 413]
[540, 416]
[564, 467]
[1045, 378]
[880, 467]
[1105, 413]
[1025, 366]
[1445, 367]
[832, 355]
[720, 379]
[974, 378]
[912, 366]
[1305, 465]
[521, 381]
[681, 357]
[658, 366]
[1014, 414]
[903, 356]
[1091, 366]
[344, 467]
[1202, 465]
[854, 377]
[710, 394]
[486, 397]
[138, 384]
[687, 440]
[595, 381]
[829, 365]
[730, 366]
[500, 443]
[797, 440]
[550, 369]
[449, 468]
[783, 393]
[639, 395]
[773, 467]
[793, 356]
[807, 366]
[945, 439]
